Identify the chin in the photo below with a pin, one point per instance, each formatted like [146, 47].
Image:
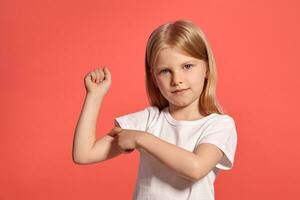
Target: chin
[183, 103]
[180, 104]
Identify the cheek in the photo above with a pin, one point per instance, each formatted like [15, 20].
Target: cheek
[198, 75]
[157, 81]
[160, 83]
[197, 81]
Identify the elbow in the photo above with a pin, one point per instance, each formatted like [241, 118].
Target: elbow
[78, 159]
[196, 177]
[194, 174]
[197, 173]
[192, 177]
[81, 162]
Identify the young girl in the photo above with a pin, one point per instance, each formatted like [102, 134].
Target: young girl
[184, 138]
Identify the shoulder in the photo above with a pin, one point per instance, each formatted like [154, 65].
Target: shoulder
[220, 131]
[221, 119]
[153, 110]
[221, 124]
[138, 119]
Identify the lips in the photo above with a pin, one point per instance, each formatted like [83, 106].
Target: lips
[180, 90]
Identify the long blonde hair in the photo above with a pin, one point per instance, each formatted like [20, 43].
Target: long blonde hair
[186, 36]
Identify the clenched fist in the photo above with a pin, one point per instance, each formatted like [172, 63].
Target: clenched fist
[98, 81]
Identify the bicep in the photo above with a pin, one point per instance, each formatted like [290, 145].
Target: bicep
[207, 156]
[104, 148]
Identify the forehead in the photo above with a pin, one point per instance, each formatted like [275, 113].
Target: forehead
[172, 56]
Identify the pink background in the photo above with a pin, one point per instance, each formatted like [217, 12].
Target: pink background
[46, 48]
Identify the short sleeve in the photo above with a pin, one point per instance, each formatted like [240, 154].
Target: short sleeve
[222, 133]
[139, 120]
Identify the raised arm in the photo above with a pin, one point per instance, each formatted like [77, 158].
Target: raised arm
[86, 149]
[85, 132]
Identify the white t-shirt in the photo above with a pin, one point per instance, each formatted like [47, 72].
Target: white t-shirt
[155, 180]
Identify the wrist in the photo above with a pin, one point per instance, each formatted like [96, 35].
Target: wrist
[94, 96]
[141, 139]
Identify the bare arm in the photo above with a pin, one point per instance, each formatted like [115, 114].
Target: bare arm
[85, 147]
[190, 165]
[85, 132]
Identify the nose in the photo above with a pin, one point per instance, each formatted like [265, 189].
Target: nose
[177, 78]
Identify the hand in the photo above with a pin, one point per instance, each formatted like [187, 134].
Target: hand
[98, 81]
[127, 139]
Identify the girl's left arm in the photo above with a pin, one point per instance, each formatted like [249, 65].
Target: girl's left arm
[190, 165]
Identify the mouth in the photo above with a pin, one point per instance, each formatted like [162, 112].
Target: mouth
[180, 91]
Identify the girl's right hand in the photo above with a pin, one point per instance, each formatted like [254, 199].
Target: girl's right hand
[98, 82]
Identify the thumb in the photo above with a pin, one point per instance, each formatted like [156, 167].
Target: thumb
[116, 130]
[107, 73]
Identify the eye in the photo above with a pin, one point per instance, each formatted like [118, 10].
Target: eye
[188, 66]
[163, 71]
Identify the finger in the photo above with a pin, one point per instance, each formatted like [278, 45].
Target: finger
[102, 75]
[88, 76]
[97, 71]
[128, 150]
[93, 76]
[115, 131]
[113, 134]
[107, 73]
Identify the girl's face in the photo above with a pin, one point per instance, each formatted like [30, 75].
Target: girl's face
[175, 70]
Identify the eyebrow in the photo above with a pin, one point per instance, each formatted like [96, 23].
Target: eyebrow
[158, 67]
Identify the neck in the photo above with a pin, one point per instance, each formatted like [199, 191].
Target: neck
[189, 113]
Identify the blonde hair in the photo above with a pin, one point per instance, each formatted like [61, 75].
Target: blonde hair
[187, 37]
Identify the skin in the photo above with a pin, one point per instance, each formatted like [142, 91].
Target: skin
[176, 70]
[177, 74]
